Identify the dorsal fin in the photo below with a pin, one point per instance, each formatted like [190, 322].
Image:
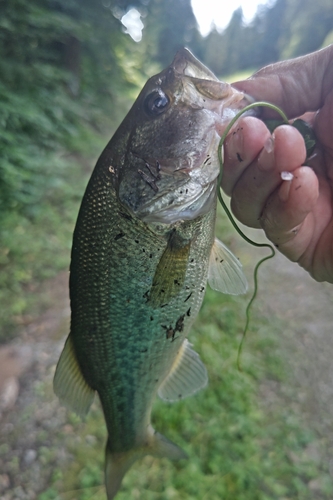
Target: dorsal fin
[188, 375]
[225, 272]
[69, 384]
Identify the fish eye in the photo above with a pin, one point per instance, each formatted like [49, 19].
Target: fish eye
[156, 102]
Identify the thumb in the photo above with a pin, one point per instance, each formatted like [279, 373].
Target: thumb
[296, 86]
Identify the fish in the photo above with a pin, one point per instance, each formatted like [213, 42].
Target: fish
[144, 248]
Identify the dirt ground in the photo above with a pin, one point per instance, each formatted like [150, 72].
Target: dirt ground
[286, 291]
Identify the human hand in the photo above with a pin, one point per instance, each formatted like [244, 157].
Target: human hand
[296, 214]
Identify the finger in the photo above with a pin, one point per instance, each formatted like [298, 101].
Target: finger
[288, 217]
[242, 146]
[323, 124]
[296, 86]
[284, 151]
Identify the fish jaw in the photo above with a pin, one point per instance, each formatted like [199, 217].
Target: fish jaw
[170, 167]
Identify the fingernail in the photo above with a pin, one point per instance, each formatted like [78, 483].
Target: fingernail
[287, 176]
[266, 157]
[284, 190]
[269, 144]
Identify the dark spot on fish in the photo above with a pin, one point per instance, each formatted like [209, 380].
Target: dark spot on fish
[143, 350]
[143, 250]
[206, 160]
[170, 332]
[222, 260]
[118, 236]
[146, 295]
[164, 305]
[148, 180]
[276, 245]
[171, 201]
[239, 158]
[125, 216]
[186, 191]
[136, 241]
[179, 395]
[157, 177]
[192, 260]
[298, 187]
[151, 318]
[202, 289]
[150, 256]
[176, 282]
[187, 287]
[188, 312]
[189, 296]
[180, 323]
[162, 291]
[156, 379]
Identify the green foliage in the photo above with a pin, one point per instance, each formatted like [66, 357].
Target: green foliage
[305, 17]
[54, 74]
[169, 26]
[58, 85]
[280, 30]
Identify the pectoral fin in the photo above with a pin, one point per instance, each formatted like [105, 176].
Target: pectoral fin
[170, 271]
[187, 375]
[225, 272]
[69, 384]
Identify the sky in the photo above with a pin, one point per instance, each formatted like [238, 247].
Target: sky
[207, 13]
[219, 12]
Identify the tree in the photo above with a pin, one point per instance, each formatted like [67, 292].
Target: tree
[169, 25]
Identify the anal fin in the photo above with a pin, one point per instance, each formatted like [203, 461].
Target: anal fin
[187, 375]
[69, 384]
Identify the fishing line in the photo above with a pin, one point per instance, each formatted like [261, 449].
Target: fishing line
[232, 220]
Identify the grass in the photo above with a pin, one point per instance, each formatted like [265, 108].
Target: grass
[35, 246]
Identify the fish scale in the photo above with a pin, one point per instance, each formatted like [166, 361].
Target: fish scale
[133, 355]
[143, 249]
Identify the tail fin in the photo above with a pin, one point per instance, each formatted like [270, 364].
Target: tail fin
[117, 464]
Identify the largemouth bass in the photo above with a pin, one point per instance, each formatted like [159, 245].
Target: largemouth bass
[143, 250]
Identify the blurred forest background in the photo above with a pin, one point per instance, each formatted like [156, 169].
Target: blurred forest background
[68, 73]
